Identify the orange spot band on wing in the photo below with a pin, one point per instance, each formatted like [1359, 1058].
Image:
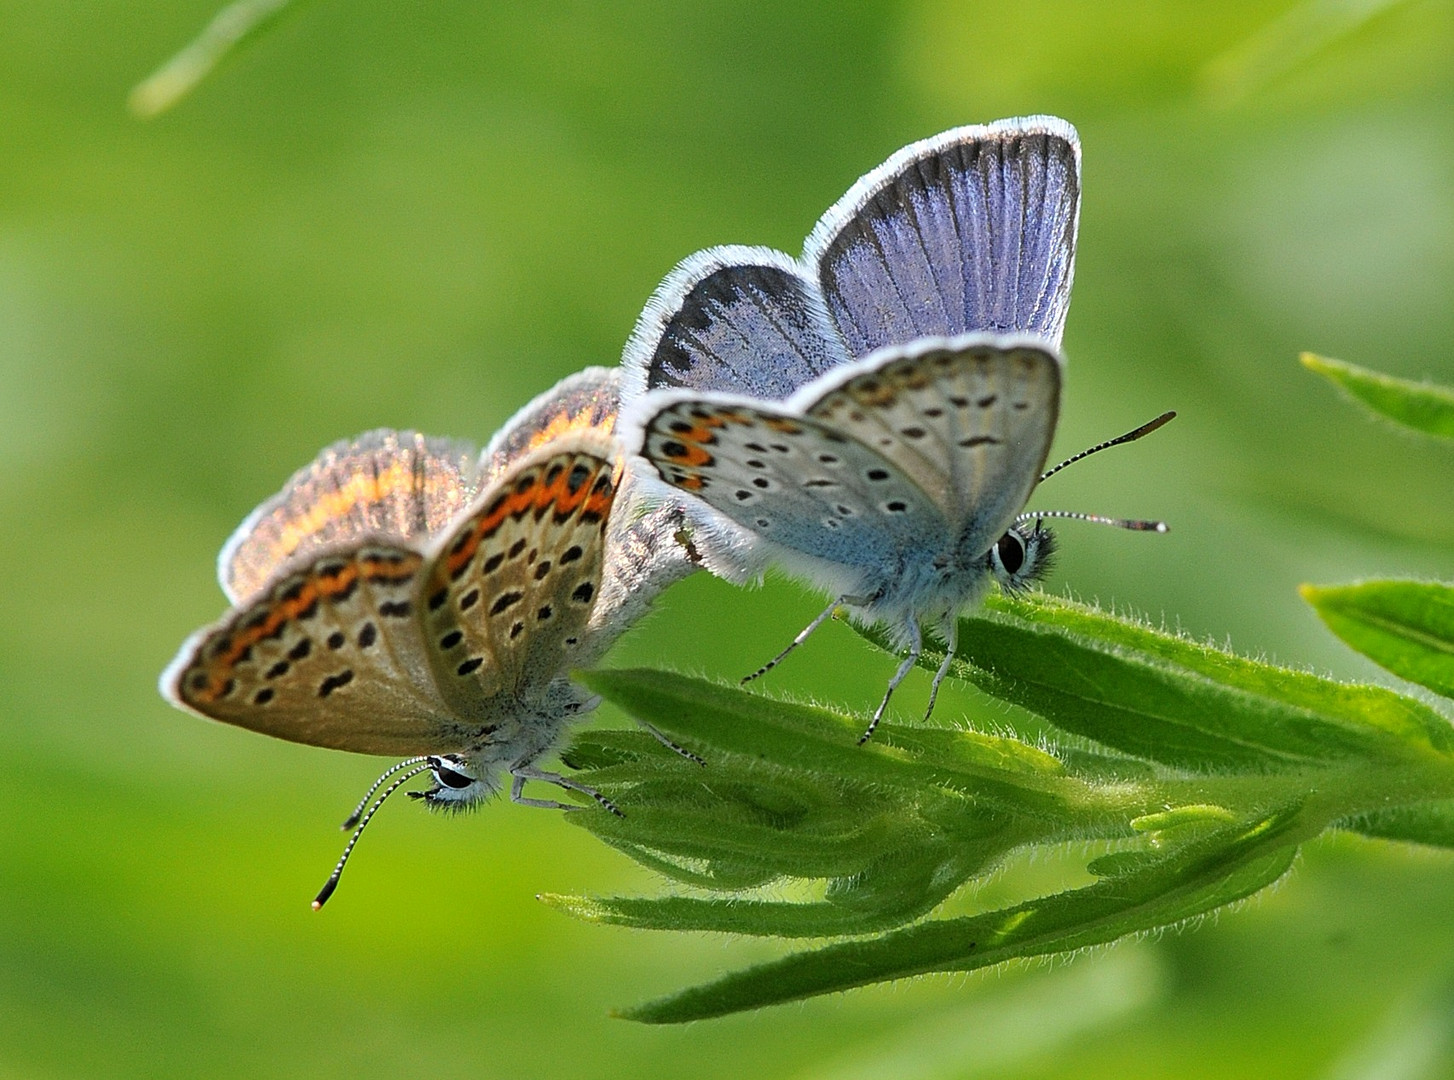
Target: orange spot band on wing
[565, 422]
[539, 496]
[392, 568]
[692, 453]
[599, 502]
[339, 502]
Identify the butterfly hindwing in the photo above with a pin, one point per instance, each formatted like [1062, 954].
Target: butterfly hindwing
[968, 419]
[509, 592]
[642, 553]
[791, 480]
[398, 484]
[971, 230]
[328, 654]
[586, 401]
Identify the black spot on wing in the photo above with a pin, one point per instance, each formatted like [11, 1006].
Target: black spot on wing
[335, 682]
[504, 601]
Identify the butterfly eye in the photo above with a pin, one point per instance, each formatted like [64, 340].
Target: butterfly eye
[446, 776]
[1020, 557]
[456, 786]
[1011, 552]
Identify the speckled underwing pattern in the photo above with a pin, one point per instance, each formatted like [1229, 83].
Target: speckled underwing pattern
[395, 647]
[325, 655]
[396, 484]
[511, 591]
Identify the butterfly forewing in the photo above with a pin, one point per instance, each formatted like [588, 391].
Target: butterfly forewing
[583, 402]
[792, 480]
[733, 319]
[510, 590]
[398, 484]
[642, 555]
[971, 230]
[968, 420]
[329, 654]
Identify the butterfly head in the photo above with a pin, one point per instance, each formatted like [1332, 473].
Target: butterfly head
[1026, 553]
[459, 783]
[1022, 556]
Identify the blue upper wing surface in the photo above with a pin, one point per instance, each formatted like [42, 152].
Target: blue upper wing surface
[970, 231]
[733, 320]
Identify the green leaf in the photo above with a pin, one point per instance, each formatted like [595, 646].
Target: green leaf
[807, 737]
[238, 24]
[787, 793]
[1422, 406]
[1406, 626]
[1430, 823]
[897, 888]
[1195, 879]
[1166, 699]
[869, 840]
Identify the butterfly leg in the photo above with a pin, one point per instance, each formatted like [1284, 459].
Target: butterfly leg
[661, 737]
[522, 773]
[822, 617]
[950, 632]
[916, 646]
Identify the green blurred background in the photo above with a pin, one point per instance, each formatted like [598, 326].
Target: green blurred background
[421, 214]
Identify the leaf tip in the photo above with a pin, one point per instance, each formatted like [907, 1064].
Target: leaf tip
[640, 1014]
[1323, 597]
[600, 680]
[561, 902]
[578, 907]
[158, 92]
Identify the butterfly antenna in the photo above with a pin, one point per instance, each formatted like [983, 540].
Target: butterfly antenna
[332, 882]
[369, 794]
[1130, 436]
[1134, 524]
